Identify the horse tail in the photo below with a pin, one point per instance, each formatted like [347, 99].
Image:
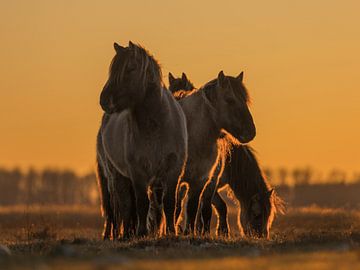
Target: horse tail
[104, 191]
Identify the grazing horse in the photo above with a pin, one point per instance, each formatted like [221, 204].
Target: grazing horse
[242, 173]
[215, 107]
[258, 202]
[143, 136]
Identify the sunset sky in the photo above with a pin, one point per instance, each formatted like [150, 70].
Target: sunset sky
[301, 61]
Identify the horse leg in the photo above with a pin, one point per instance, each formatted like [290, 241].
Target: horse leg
[107, 228]
[180, 201]
[221, 209]
[156, 209]
[169, 207]
[116, 212]
[206, 208]
[142, 206]
[127, 206]
[192, 208]
[106, 208]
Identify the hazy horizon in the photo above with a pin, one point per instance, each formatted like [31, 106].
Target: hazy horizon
[301, 62]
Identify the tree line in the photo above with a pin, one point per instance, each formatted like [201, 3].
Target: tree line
[65, 187]
[49, 186]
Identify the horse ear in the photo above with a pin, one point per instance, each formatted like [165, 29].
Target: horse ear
[183, 77]
[118, 48]
[171, 78]
[222, 80]
[240, 77]
[221, 77]
[131, 44]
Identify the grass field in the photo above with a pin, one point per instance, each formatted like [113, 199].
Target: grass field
[69, 238]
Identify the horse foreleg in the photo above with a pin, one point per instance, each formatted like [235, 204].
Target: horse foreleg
[192, 208]
[221, 209]
[142, 206]
[169, 207]
[127, 207]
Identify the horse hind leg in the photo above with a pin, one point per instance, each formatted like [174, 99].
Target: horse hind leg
[206, 207]
[180, 205]
[221, 210]
[116, 219]
[155, 214]
[105, 199]
[106, 235]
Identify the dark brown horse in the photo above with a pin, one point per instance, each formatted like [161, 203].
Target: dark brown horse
[143, 137]
[242, 173]
[219, 105]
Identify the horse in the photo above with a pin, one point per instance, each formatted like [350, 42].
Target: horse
[259, 203]
[215, 107]
[143, 134]
[242, 173]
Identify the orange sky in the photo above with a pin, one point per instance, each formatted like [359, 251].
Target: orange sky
[301, 61]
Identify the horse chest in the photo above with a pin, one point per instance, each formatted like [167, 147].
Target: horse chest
[145, 151]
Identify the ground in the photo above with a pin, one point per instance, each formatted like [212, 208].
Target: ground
[68, 237]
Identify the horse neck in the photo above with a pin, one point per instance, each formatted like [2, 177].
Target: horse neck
[151, 105]
[201, 117]
[245, 176]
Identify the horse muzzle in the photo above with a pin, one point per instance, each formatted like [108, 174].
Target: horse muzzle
[248, 136]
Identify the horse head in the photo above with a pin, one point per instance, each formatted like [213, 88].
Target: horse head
[231, 102]
[183, 83]
[132, 72]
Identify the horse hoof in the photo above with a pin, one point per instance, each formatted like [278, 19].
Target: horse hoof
[105, 237]
[223, 233]
[142, 233]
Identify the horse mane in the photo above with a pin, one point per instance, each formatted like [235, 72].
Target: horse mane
[148, 65]
[235, 84]
[180, 94]
[207, 88]
[191, 85]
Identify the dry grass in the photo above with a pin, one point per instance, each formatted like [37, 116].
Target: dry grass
[66, 237]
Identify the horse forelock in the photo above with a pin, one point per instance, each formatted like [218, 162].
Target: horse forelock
[117, 68]
[147, 66]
